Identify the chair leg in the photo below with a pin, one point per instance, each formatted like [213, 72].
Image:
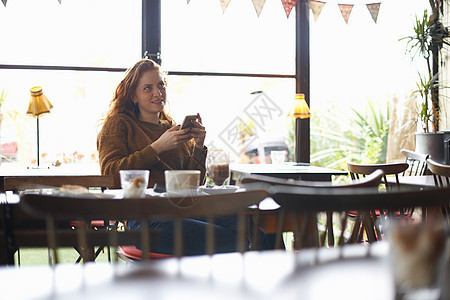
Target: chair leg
[356, 230]
[330, 229]
[279, 233]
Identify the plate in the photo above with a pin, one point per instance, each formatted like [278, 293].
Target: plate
[214, 190]
[83, 194]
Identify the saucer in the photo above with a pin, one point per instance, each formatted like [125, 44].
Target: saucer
[214, 190]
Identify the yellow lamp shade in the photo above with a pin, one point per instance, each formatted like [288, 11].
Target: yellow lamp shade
[301, 109]
[39, 104]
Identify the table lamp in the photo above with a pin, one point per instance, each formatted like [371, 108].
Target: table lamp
[299, 111]
[39, 105]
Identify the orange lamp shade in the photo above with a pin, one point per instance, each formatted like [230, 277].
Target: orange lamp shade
[301, 109]
[39, 104]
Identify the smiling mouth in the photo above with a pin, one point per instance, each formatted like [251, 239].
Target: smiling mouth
[157, 101]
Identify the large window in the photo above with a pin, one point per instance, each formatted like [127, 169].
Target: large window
[78, 50]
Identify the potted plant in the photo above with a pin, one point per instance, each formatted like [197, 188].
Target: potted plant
[427, 42]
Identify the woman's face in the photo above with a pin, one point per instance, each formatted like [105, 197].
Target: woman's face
[150, 94]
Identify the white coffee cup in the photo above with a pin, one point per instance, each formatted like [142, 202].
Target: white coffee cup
[182, 182]
[134, 182]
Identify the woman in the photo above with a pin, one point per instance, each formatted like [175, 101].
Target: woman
[139, 134]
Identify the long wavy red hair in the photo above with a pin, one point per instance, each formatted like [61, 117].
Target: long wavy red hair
[122, 103]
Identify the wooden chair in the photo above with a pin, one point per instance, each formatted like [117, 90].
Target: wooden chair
[22, 230]
[441, 173]
[305, 201]
[417, 163]
[358, 171]
[441, 176]
[85, 209]
[363, 222]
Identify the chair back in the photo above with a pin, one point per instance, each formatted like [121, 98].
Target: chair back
[308, 201]
[417, 163]
[85, 209]
[357, 171]
[20, 183]
[372, 180]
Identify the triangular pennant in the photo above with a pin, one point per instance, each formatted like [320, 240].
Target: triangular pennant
[59, 1]
[188, 1]
[316, 7]
[374, 8]
[258, 4]
[4, 2]
[288, 5]
[224, 4]
[346, 10]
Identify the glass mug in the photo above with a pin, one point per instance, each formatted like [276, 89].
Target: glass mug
[218, 166]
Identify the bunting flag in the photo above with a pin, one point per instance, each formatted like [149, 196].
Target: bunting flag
[374, 9]
[258, 4]
[288, 5]
[316, 7]
[346, 10]
[224, 4]
[59, 1]
[4, 2]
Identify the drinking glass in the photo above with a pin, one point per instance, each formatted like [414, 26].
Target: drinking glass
[278, 157]
[134, 182]
[218, 166]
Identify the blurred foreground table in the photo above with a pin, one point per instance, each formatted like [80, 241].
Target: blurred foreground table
[351, 272]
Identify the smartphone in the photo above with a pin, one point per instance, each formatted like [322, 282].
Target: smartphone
[187, 121]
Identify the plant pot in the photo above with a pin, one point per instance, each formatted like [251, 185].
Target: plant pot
[432, 144]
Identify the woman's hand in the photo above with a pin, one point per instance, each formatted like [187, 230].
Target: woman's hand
[171, 139]
[198, 132]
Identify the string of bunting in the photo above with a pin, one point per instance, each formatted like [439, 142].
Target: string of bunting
[4, 2]
[315, 6]
[346, 9]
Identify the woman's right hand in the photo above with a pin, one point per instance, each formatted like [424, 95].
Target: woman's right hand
[171, 139]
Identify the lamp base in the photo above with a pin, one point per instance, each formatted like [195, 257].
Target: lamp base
[301, 164]
[38, 167]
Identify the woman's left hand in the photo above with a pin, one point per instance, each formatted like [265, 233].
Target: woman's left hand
[198, 132]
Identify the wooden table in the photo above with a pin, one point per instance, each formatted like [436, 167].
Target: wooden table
[347, 273]
[8, 170]
[425, 181]
[286, 170]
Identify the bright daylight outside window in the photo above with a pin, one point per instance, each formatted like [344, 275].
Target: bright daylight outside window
[200, 37]
[361, 82]
[75, 33]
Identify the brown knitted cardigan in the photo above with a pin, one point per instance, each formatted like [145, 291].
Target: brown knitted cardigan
[124, 143]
